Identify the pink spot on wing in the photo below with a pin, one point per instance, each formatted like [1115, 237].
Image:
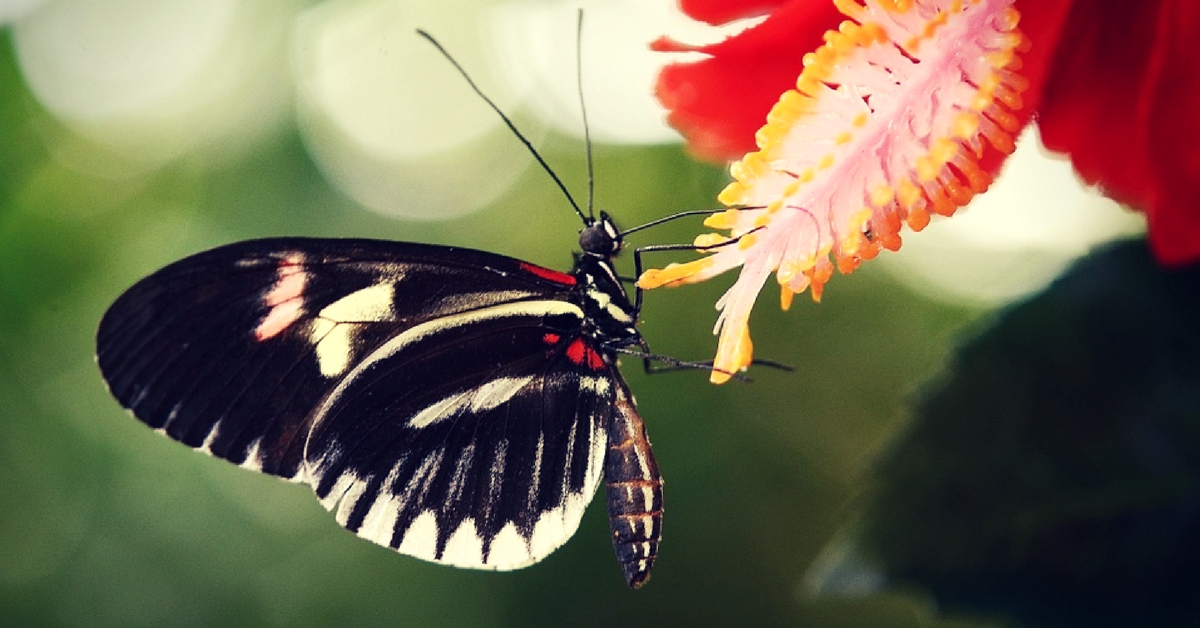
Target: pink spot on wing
[278, 319]
[285, 298]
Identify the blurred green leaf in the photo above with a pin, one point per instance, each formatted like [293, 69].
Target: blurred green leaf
[1053, 474]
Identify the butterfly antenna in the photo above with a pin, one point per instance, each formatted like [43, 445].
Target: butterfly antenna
[512, 127]
[587, 136]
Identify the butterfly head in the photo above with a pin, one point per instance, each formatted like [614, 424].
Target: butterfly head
[601, 238]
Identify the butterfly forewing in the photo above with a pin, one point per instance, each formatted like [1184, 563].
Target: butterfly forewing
[230, 350]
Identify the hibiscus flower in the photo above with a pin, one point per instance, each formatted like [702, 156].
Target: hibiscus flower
[908, 109]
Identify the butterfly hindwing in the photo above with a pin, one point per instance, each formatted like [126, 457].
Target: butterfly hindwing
[229, 351]
[475, 440]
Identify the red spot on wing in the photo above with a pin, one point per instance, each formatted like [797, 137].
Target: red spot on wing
[551, 339]
[579, 353]
[575, 351]
[549, 275]
[594, 359]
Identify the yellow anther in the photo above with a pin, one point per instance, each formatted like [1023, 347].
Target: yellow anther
[895, 6]
[724, 221]
[882, 195]
[785, 298]
[751, 166]
[999, 59]
[858, 219]
[769, 135]
[876, 32]
[826, 56]
[732, 359]
[709, 240]
[908, 192]
[808, 84]
[849, 8]
[966, 125]
[732, 194]
[788, 269]
[839, 42]
[782, 116]
[927, 168]
[1009, 18]
[981, 101]
[943, 150]
[655, 277]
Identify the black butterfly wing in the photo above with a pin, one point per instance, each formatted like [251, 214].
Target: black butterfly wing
[443, 402]
[475, 440]
[229, 351]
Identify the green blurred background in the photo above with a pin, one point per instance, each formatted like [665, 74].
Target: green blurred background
[104, 523]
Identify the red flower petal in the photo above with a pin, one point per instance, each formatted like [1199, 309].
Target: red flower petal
[725, 11]
[1174, 136]
[718, 103]
[1121, 99]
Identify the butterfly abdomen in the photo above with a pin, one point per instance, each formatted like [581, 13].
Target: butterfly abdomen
[635, 498]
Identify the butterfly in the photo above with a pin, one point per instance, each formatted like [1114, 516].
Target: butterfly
[455, 405]
[458, 406]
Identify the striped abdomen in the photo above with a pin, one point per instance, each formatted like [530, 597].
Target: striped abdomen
[635, 498]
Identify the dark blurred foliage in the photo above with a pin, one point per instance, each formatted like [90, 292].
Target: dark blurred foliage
[1054, 474]
[105, 523]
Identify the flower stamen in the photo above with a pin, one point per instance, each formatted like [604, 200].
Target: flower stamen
[888, 124]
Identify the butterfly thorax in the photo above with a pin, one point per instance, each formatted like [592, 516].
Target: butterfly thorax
[609, 314]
